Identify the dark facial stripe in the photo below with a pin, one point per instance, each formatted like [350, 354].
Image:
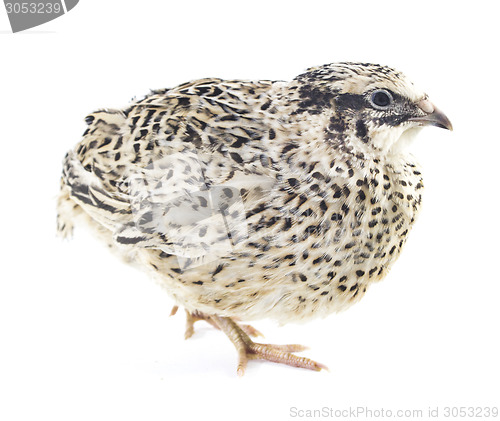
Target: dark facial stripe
[352, 102]
[362, 131]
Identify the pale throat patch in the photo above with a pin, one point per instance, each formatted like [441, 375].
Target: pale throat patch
[396, 140]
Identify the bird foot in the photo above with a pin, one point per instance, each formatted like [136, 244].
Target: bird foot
[248, 349]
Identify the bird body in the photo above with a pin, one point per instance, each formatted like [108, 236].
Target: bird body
[251, 200]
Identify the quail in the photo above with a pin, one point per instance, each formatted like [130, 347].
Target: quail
[256, 199]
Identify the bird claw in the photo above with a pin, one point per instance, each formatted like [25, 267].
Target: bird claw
[249, 350]
[281, 354]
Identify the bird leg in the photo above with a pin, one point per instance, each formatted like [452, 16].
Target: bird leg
[247, 349]
[192, 318]
[195, 316]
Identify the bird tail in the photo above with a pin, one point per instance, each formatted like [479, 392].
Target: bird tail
[86, 190]
[67, 210]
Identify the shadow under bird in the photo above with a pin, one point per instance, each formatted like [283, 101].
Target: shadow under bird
[256, 199]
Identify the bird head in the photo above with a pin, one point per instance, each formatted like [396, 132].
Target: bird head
[373, 109]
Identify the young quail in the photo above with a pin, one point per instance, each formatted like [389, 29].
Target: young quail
[251, 200]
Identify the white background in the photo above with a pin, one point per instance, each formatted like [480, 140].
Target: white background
[83, 337]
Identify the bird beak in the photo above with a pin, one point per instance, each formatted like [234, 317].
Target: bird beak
[433, 116]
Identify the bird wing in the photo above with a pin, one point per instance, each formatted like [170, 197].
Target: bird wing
[177, 169]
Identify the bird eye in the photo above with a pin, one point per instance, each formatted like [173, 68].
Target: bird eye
[381, 99]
